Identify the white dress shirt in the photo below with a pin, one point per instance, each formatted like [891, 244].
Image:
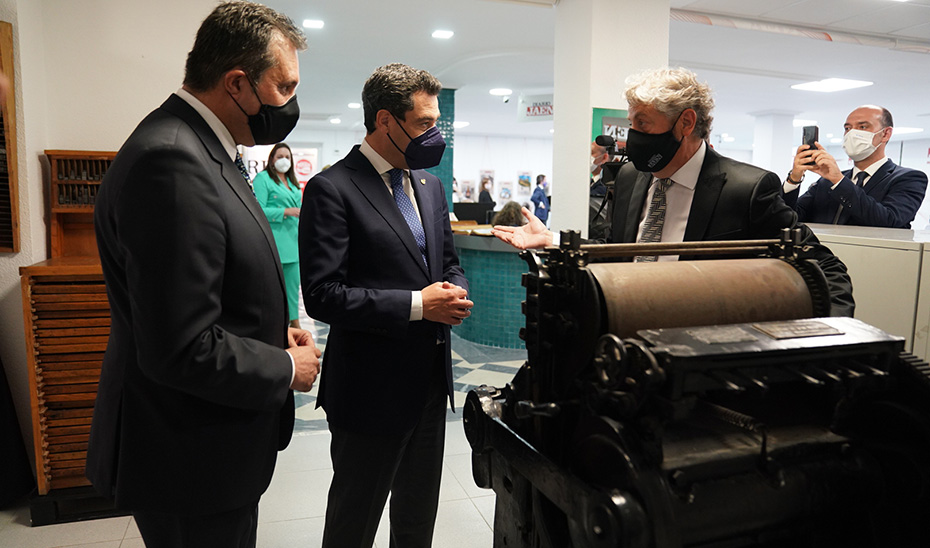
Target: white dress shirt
[678, 200]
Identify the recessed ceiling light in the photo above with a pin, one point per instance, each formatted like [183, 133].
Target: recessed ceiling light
[728, 139]
[459, 125]
[797, 122]
[552, 130]
[836, 140]
[355, 105]
[831, 84]
[443, 34]
[904, 130]
[500, 92]
[313, 24]
[335, 121]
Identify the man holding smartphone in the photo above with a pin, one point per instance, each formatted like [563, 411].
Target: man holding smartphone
[876, 192]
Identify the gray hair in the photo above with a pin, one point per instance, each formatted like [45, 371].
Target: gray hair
[391, 88]
[238, 35]
[671, 92]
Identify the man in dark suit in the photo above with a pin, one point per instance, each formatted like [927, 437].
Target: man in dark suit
[379, 265]
[194, 398]
[703, 196]
[539, 198]
[875, 192]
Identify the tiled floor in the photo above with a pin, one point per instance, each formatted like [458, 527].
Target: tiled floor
[291, 511]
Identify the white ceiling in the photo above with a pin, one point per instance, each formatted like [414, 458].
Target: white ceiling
[501, 44]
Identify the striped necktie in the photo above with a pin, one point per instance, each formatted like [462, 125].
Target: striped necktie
[406, 209]
[245, 172]
[655, 219]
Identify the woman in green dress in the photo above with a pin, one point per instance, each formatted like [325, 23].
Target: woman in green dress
[278, 193]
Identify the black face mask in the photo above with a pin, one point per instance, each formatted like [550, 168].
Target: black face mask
[270, 125]
[425, 150]
[651, 152]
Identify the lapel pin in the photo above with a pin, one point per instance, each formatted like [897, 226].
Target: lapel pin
[422, 181]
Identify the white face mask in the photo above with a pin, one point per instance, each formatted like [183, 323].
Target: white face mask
[281, 165]
[594, 165]
[858, 143]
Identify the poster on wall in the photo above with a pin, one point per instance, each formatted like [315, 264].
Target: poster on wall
[506, 191]
[486, 176]
[524, 184]
[467, 191]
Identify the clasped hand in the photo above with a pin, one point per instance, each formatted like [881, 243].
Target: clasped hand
[446, 303]
[306, 356]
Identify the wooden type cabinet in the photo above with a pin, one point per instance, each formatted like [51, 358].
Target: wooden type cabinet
[75, 176]
[67, 319]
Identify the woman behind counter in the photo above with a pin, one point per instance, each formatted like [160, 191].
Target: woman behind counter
[279, 195]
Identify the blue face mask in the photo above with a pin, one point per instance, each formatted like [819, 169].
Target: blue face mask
[425, 150]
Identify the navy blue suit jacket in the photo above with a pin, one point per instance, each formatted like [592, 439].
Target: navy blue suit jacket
[359, 264]
[890, 199]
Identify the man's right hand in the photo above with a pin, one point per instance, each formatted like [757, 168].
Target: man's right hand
[446, 302]
[532, 235]
[306, 366]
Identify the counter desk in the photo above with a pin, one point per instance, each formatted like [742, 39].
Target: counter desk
[494, 270]
[890, 271]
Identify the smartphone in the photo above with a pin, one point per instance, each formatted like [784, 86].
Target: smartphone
[810, 135]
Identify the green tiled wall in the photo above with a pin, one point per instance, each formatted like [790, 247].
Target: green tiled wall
[494, 287]
[446, 117]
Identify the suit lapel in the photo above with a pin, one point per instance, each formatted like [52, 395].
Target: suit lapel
[630, 195]
[635, 207]
[228, 170]
[706, 193]
[419, 181]
[371, 185]
[876, 181]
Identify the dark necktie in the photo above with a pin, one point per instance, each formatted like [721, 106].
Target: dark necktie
[245, 172]
[406, 209]
[860, 182]
[655, 219]
[860, 178]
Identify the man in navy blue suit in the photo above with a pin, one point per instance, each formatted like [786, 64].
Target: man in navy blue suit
[539, 198]
[876, 192]
[378, 264]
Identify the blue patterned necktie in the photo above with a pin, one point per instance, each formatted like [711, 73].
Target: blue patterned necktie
[245, 172]
[655, 219]
[406, 209]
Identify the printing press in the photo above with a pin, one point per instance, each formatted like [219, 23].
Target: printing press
[701, 403]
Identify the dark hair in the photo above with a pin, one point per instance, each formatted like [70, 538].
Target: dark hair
[886, 118]
[269, 166]
[539, 179]
[391, 88]
[509, 215]
[237, 35]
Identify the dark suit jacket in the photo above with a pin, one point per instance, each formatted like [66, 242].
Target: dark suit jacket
[358, 266]
[890, 199]
[732, 201]
[193, 400]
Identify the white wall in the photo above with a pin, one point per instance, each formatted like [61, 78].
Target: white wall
[85, 74]
[508, 157]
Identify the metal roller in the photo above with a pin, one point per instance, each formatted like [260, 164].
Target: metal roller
[678, 294]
